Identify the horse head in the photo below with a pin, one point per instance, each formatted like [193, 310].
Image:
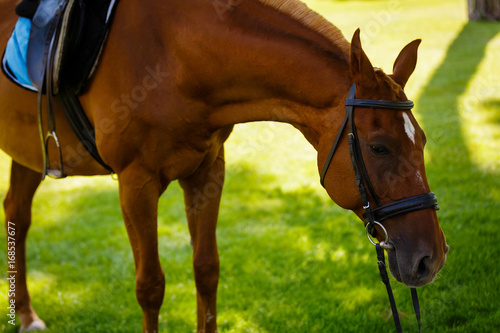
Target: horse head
[391, 148]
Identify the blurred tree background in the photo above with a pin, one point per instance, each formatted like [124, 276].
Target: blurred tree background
[484, 10]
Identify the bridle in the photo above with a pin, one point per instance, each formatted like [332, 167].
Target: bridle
[381, 212]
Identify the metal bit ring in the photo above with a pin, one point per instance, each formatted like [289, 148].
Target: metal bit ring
[384, 244]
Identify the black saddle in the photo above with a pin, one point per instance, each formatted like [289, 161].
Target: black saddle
[66, 39]
[76, 31]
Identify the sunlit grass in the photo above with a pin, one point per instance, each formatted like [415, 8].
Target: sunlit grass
[480, 111]
[291, 260]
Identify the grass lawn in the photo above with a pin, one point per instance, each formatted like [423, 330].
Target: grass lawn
[291, 261]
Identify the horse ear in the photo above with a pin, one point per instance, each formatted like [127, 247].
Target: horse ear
[362, 71]
[405, 63]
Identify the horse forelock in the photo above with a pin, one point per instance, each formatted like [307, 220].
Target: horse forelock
[300, 12]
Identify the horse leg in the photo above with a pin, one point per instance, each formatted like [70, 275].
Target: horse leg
[17, 205]
[202, 193]
[139, 194]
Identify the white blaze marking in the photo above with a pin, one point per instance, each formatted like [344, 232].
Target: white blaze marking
[409, 128]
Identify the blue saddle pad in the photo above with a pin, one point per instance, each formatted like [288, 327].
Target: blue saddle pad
[14, 58]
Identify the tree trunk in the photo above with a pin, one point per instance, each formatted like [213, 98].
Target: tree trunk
[484, 10]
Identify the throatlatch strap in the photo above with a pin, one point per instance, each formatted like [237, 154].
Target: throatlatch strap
[332, 152]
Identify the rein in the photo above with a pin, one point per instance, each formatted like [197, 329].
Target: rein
[381, 212]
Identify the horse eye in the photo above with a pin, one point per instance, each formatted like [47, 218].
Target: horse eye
[379, 150]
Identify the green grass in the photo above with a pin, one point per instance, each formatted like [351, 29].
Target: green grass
[291, 260]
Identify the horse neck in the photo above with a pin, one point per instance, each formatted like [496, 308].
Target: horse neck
[258, 64]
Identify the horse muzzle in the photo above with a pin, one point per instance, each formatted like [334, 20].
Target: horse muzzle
[415, 268]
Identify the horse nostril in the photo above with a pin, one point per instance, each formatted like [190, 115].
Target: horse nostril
[423, 268]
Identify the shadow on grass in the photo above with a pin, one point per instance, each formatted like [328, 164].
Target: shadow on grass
[463, 300]
[289, 259]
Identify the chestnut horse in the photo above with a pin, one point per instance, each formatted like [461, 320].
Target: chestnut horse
[174, 78]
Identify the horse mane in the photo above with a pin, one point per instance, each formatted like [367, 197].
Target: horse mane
[300, 12]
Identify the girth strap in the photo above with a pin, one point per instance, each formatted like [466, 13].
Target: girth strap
[80, 124]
